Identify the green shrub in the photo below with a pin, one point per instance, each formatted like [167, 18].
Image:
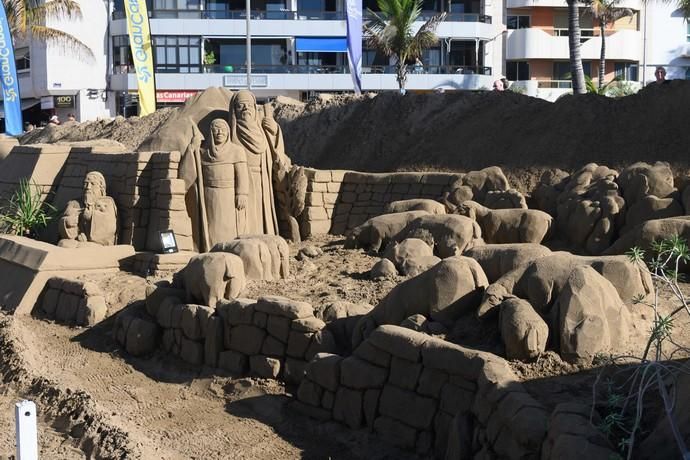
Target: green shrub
[25, 213]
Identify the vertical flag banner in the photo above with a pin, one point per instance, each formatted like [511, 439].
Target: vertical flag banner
[142, 53]
[10, 85]
[354, 41]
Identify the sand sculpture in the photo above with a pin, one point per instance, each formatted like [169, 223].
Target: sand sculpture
[508, 225]
[241, 161]
[210, 277]
[94, 220]
[422, 392]
[222, 181]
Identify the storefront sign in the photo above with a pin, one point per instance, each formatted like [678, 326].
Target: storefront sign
[174, 96]
[240, 81]
[64, 102]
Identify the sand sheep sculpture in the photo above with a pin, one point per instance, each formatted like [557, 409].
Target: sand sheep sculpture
[213, 276]
[451, 234]
[417, 204]
[378, 231]
[508, 225]
[450, 288]
[649, 193]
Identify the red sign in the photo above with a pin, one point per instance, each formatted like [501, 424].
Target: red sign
[174, 96]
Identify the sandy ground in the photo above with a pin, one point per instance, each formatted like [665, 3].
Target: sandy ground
[169, 410]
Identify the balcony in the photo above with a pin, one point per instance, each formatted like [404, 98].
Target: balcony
[290, 15]
[632, 4]
[538, 43]
[277, 78]
[227, 23]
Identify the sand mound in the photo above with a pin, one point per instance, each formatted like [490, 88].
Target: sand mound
[469, 131]
[130, 132]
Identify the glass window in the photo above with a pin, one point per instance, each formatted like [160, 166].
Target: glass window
[22, 58]
[561, 69]
[626, 70]
[518, 22]
[517, 70]
[687, 73]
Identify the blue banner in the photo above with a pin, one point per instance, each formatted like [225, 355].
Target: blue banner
[8, 74]
[354, 42]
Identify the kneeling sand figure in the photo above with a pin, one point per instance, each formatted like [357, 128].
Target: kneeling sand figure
[94, 222]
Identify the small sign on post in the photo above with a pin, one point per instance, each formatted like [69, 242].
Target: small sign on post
[27, 432]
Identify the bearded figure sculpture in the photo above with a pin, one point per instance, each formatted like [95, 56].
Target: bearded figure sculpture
[247, 130]
[91, 221]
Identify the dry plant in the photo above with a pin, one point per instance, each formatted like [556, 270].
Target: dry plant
[630, 390]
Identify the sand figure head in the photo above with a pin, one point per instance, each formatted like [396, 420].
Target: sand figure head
[94, 187]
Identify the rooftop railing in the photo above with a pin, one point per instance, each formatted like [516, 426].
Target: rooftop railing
[290, 15]
[312, 69]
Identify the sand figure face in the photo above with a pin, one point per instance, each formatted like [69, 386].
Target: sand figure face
[245, 107]
[220, 131]
[94, 187]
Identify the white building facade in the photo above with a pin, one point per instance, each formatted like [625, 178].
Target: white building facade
[298, 48]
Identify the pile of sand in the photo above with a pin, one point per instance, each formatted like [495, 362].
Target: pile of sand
[472, 130]
[454, 131]
[130, 132]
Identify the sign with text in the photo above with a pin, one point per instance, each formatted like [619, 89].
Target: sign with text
[240, 81]
[174, 96]
[8, 74]
[64, 102]
[142, 53]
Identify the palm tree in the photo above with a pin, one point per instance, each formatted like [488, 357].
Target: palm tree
[606, 12]
[28, 18]
[390, 31]
[577, 73]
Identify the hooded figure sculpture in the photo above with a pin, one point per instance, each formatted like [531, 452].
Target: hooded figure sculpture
[247, 130]
[222, 188]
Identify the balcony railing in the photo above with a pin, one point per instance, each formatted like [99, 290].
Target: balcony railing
[289, 15]
[312, 69]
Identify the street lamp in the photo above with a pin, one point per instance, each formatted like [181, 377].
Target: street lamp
[249, 47]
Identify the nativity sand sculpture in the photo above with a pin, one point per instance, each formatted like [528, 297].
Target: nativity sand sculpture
[238, 160]
[91, 221]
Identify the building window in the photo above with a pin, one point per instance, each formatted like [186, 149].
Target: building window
[517, 70]
[22, 59]
[174, 54]
[561, 69]
[122, 55]
[687, 37]
[687, 73]
[626, 70]
[518, 22]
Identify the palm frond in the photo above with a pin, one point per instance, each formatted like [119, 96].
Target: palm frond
[65, 42]
[58, 9]
[16, 16]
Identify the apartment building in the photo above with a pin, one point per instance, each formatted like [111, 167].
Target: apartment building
[299, 47]
[537, 50]
[56, 81]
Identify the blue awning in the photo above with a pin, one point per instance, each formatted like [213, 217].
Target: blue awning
[321, 45]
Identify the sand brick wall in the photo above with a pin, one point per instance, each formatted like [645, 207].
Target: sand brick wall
[72, 302]
[425, 394]
[338, 200]
[145, 187]
[413, 390]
